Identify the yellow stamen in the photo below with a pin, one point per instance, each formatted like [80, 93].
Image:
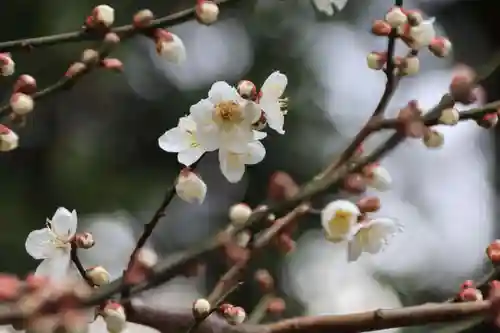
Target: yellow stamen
[228, 112]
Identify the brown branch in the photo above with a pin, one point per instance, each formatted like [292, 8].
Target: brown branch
[78, 264]
[125, 31]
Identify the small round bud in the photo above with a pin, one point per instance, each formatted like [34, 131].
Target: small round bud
[440, 47]
[201, 308]
[410, 66]
[25, 84]
[89, 56]
[112, 64]
[143, 18]
[247, 90]
[190, 187]
[114, 316]
[84, 240]
[7, 65]
[376, 60]
[433, 139]
[111, 38]
[235, 315]
[369, 204]
[470, 295]
[396, 17]
[21, 104]
[381, 28]
[147, 257]
[102, 15]
[170, 46]
[207, 12]
[239, 213]
[99, 275]
[75, 69]
[264, 279]
[450, 117]
[493, 252]
[8, 139]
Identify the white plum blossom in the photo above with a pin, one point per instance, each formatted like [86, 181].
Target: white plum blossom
[182, 140]
[422, 34]
[52, 244]
[190, 187]
[372, 236]
[339, 219]
[269, 100]
[224, 119]
[378, 178]
[232, 165]
[329, 7]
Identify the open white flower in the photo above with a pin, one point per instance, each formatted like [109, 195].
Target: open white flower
[269, 101]
[224, 119]
[339, 219]
[232, 165]
[182, 140]
[52, 244]
[372, 236]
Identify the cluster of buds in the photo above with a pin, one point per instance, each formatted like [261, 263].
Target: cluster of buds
[21, 100]
[190, 187]
[207, 12]
[469, 293]
[114, 316]
[169, 46]
[417, 33]
[234, 315]
[102, 17]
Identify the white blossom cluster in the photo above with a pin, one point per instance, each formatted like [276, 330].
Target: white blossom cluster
[229, 121]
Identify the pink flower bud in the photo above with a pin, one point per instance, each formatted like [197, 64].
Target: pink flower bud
[102, 15]
[112, 64]
[143, 18]
[25, 84]
[114, 316]
[8, 139]
[376, 60]
[21, 104]
[493, 252]
[247, 90]
[440, 47]
[75, 69]
[201, 308]
[207, 11]
[111, 38]
[84, 240]
[7, 65]
[381, 28]
[368, 204]
[236, 315]
[470, 295]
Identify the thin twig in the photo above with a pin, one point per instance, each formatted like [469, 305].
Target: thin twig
[259, 312]
[78, 264]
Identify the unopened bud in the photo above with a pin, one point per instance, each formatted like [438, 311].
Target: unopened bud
[410, 66]
[440, 47]
[112, 64]
[8, 139]
[235, 315]
[461, 86]
[207, 12]
[433, 139]
[368, 204]
[7, 65]
[376, 60]
[21, 104]
[147, 257]
[103, 15]
[396, 17]
[493, 252]
[84, 240]
[201, 308]
[25, 84]
[471, 295]
[381, 28]
[450, 117]
[143, 18]
[190, 187]
[89, 56]
[264, 279]
[114, 316]
[111, 38]
[239, 214]
[247, 89]
[99, 275]
[170, 46]
[276, 306]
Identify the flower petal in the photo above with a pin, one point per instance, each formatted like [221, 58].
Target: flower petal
[236, 139]
[221, 91]
[231, 166]
[174, 140]
[191, 155]
[258, 135]
[55, 268]
[39, 243]
[64, 223]
[274, 86]
[187, 124]
[201, 112]
[208, 137]
[354, 250]
[274, 116]
[252, 111]
[256, 153]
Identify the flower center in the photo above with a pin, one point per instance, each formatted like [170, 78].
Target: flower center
[228, 112]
